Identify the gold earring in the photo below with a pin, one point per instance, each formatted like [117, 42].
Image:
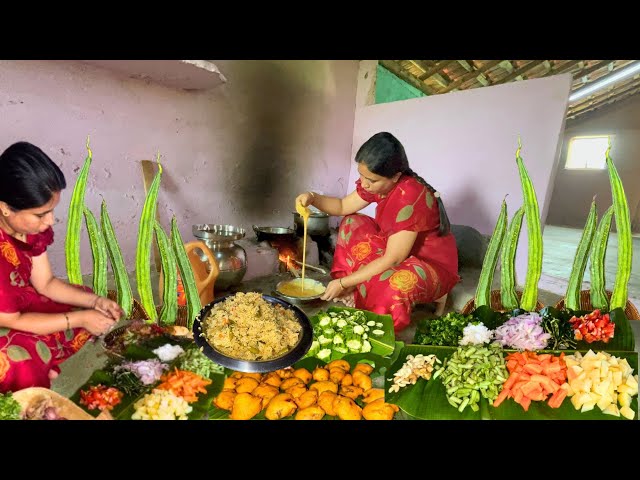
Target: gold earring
[6, 214]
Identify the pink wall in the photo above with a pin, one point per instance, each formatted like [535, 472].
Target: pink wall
[236, 154]
[574, 189]
[464, 145]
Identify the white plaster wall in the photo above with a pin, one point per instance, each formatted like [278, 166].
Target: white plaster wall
[237, 154]
[574, 189]
[464, 144]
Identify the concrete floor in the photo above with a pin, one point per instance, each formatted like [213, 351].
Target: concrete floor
[559, 248]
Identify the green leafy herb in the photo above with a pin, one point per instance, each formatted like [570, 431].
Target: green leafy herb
[446, 330]
[9, 408]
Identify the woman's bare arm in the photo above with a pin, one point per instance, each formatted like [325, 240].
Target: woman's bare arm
[339, 207]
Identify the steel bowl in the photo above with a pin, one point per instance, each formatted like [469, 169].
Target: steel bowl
[260, 366]
[307, 282]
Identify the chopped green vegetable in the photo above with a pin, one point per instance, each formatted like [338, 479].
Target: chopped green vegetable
[9, 407]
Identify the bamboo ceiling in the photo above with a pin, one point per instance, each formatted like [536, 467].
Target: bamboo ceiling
[434, 77]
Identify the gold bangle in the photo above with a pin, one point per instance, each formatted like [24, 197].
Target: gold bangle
[66, 316]
[340, 282]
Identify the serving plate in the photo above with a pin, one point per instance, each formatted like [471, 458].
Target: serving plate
[260, 366]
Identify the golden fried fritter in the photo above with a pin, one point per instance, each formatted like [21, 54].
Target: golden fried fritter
[310, 413]
[290, 382]
[320, 374]
[362, 367]
[347, 409]
[325, 401]
[266, 392]
[336, 374]
[256, 375]
[379, 410]
[230, 383]
[272, 378]
[351, 391]
[296, 390]
[307, 399]
[372, 395]
[347, 380]
[362, 380]
[224, 399]
[246, 384]
[237, 375]
[285, 372]
[245, 406]
[324, 385]
[343, 364]
[280, 406]
[303, 374]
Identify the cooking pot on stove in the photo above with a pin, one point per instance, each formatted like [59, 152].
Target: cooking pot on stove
[231, 257]
[274, 233]
[318, 223]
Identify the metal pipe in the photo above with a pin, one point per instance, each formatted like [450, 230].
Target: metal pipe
[311, 267]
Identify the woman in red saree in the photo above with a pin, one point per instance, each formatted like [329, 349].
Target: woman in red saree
[407, 254]
[39, 327]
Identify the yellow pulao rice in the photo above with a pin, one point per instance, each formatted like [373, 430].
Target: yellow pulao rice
[247, 327]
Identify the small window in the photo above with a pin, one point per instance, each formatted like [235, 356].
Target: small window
[587, 153]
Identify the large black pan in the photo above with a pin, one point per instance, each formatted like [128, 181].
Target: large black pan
[261, 366]
[274, 233]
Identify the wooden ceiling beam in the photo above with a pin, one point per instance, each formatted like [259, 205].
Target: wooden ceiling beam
[399, 72]
[565, 67]
[429, 72]
[466, 65]
[590, 101]
[631, 92]
[467, 76]
[591, 69]
[520, 71]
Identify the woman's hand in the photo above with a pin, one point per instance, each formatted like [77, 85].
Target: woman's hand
[96, 322]
[109, 308]
[334, 290]
[305, 199]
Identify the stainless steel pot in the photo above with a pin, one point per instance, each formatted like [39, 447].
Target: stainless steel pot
[318, 223]
[231, 257]
[274, 233]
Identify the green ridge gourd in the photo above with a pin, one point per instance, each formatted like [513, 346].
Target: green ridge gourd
[483, 292]
[74, 222]
[99, 253]
[120, 275]
[508, 296]
[143, 249]
[194, 305]
[169, 310]
[598, 253]
[534, 233]
[572, 295]
[623, 226]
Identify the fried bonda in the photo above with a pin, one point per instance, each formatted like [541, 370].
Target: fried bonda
[324, 385]
[362, 380]
[280, 406]
[325, 401]
[285, 373]
[245, 406]
[303, 374]
[290, 382]
[246, 385]
[346, 408]
[266, 392]
[320, 374]
[307, 399]
[372, 395]
[296, 390]
[230, 383]
[224, 399]
[362, 367]
[350, 391]
[347, 380]
[336, 374]
[310, 413]
[379, 410]
[272, 378]
[340, 363]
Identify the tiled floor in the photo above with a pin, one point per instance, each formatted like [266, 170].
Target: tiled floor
[559, 247]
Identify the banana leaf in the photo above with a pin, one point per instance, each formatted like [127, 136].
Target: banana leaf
[380, 364]
[426, 400]
[144, 351]
[383, 345]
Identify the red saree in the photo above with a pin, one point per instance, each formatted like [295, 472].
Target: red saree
[430, 271]
[26, 358]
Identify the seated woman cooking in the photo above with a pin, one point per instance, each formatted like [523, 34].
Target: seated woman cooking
[39, 328]
[407, 254]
